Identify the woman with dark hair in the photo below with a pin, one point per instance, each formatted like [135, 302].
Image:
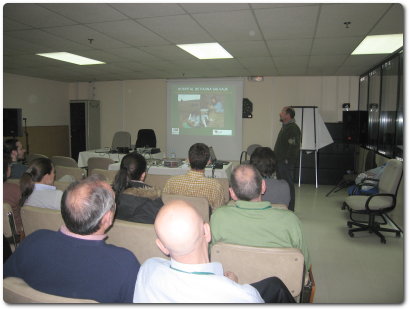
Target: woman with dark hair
[277, 191]
[37, 185]
[136, 201]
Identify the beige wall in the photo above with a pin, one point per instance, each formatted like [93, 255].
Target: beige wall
[132, 105]
[135, 104]
[44, 102]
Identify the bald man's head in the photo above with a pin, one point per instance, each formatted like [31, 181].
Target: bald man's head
[181, 229]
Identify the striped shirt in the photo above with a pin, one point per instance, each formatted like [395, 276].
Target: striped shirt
[195, 184]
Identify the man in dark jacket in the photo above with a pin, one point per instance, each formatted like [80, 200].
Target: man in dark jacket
[287, 149]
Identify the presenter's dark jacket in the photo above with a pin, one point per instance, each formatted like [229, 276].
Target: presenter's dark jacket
[139, 203]
[287, 145]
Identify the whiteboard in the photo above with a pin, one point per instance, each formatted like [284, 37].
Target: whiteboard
[310, 123]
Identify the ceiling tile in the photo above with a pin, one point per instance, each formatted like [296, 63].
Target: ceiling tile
[291, 61]
[324, 61]
[331, 46]
[81, 34]
[46, 39]
[177, 29]
[242, 25]
[34, 15]
[143, 10]
[392, 22]
[132, 53]
[130, 32]
[9, 24]
[288, 22]
[213, 7]
[14, 46]
[285, 47]
[86, 12]
[167, 52]
[246, 48]
[362, 17]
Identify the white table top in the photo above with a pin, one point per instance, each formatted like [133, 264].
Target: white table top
[160, 169]
[85, 155]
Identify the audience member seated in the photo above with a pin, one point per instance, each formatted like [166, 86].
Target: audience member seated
[75, 261]
[16, 150]
[253, 222]
[189, 277]
[194, 183]
[366, 183]
[136, 201]
[37, 187]
[277, 191]
[12, 194]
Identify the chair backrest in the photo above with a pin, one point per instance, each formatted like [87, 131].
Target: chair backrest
[225, 184]
[31, 157]
[35, 218]
[17, 291]
[109, 175]
[61, 185]
[391, 176]
[247, 153]
[200, 203]
[121, 139]
[7, 232]
[157, 180]
[75, 172]
[146, 137]
[64, 161]
[99, 163]
[252, 264]
[139, 238]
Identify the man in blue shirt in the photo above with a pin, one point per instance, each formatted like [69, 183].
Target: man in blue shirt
[75, 261]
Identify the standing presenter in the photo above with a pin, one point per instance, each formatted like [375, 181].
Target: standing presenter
[287, 149]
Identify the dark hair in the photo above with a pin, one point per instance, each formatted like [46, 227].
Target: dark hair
[290, 111]
[198, 156]
[264, 159]
[10, 145]
[246, 182]
[84, 203]
[38, 168]
[6, 163]
[132, 166]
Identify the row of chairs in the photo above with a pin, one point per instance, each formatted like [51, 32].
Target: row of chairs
[285, 263]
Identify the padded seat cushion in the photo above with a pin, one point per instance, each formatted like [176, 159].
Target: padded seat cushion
[357, 202]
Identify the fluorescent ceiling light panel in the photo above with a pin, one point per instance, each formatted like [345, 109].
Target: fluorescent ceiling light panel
[379, 44]
[75, 59]
[206, 50]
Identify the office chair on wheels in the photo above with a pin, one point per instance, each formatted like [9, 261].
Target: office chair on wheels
[377, 205]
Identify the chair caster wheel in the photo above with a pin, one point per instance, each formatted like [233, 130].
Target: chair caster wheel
[398, 234]
[383, 241]
[349, 224]
[351, 234]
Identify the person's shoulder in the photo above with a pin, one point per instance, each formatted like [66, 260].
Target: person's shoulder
[222, 210]
[121, 254]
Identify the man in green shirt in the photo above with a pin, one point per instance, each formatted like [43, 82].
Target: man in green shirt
[287, 149]
[253, 222]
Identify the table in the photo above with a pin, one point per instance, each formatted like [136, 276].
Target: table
[85, 155]
[161, 170]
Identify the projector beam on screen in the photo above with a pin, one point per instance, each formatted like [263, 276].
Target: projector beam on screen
[207, 111]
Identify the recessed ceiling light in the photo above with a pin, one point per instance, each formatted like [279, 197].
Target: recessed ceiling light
[206, 50]
[379, 44]
[75, 59]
